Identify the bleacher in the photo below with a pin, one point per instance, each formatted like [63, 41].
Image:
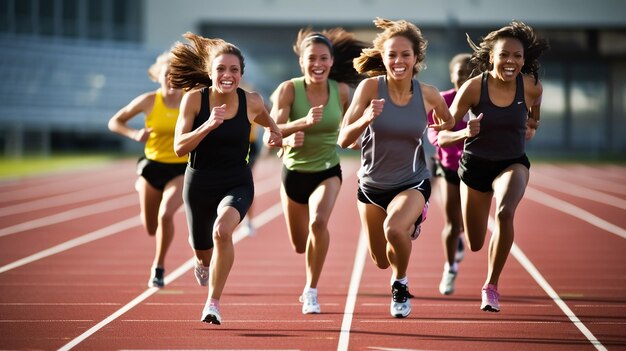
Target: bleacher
[52, 85]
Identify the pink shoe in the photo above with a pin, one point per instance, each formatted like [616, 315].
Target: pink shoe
[490, 298]
[418, 226]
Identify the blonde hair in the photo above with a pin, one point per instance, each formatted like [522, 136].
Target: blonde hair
[155, 69]
[370, 61]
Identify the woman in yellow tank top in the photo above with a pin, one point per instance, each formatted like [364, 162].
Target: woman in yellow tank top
[160, 171]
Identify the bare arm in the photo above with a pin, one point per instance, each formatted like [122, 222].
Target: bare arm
[185, 139]
[281, 109]
[258, 113]
[442, 119]
[362, 111]
[119, 122]
[533, 94]
[467, 96]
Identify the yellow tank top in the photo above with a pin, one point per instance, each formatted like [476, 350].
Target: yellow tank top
[160, 145]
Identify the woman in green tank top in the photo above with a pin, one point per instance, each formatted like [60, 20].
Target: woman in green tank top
[308, 110]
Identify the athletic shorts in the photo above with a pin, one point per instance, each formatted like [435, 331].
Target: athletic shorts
[205, 192]
[382, 199]
[451, 176]
[479, 174]
[300, 185]
[158, 174]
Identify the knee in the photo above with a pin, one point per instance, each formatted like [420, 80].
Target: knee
[222, 234]
[382, 263]
[505, 214]
[394, 234]
[299, 249]
[150, 227]
[318, 226]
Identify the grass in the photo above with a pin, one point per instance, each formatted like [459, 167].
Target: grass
[35, 165]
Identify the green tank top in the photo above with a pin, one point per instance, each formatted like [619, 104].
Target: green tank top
[319, 151]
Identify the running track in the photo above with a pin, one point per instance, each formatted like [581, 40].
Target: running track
[74, 264]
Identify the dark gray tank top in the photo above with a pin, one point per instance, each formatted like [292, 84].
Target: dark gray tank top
[392, 154]
[502, 129]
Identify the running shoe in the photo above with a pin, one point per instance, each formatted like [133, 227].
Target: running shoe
[211, 314]
[460, 250]
[156, 278]
[490, 298]
[202, 273]
[418, 225]
[446, 287]
[309, 303]
[400, 303]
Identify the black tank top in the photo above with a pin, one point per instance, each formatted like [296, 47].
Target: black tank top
[226, 147]
[502, 129]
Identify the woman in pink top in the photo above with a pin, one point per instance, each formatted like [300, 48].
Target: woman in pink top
[446, 166]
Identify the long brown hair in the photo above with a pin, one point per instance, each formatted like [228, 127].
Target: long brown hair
[191, 62]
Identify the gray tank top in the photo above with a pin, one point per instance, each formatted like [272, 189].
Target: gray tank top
[392, 155]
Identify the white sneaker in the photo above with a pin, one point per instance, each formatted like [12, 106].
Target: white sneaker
[202, 273]
[400, 302]
[446, 287]
[309, 303]
[211, 314]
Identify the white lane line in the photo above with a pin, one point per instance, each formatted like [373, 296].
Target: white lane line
[65, 199]
[353, 291]
[580, 192]
[543, 283]
[219, 350]
[577, 212]
[89, 237]
[258, 221]
[591, 181]
[100, 207]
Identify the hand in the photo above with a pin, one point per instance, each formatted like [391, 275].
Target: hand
[315, 115]
[473, 126]
[439, 124]
[531, 128]
[273, 138]
[374, 109]
[294, 140]
[142, 135]
[217, 117]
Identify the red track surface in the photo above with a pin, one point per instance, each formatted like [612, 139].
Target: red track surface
[74, 263]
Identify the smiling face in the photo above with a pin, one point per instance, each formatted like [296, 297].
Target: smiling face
[316, 62]
[507, 58]
[399, 58]
[226, 73]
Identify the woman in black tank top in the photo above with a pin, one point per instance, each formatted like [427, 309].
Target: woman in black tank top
[214, 129]
[506, 97]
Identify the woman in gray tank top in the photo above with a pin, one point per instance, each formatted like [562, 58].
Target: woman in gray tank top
[506, 97]
[388, 114]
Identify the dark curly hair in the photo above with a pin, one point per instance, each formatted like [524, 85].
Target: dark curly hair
[534, 47]
[371, 62]
[343, 46]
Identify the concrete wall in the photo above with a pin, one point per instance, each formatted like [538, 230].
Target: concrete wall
[187, 15]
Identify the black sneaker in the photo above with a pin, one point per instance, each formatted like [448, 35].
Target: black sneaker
[400, 302]
[156, 278]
